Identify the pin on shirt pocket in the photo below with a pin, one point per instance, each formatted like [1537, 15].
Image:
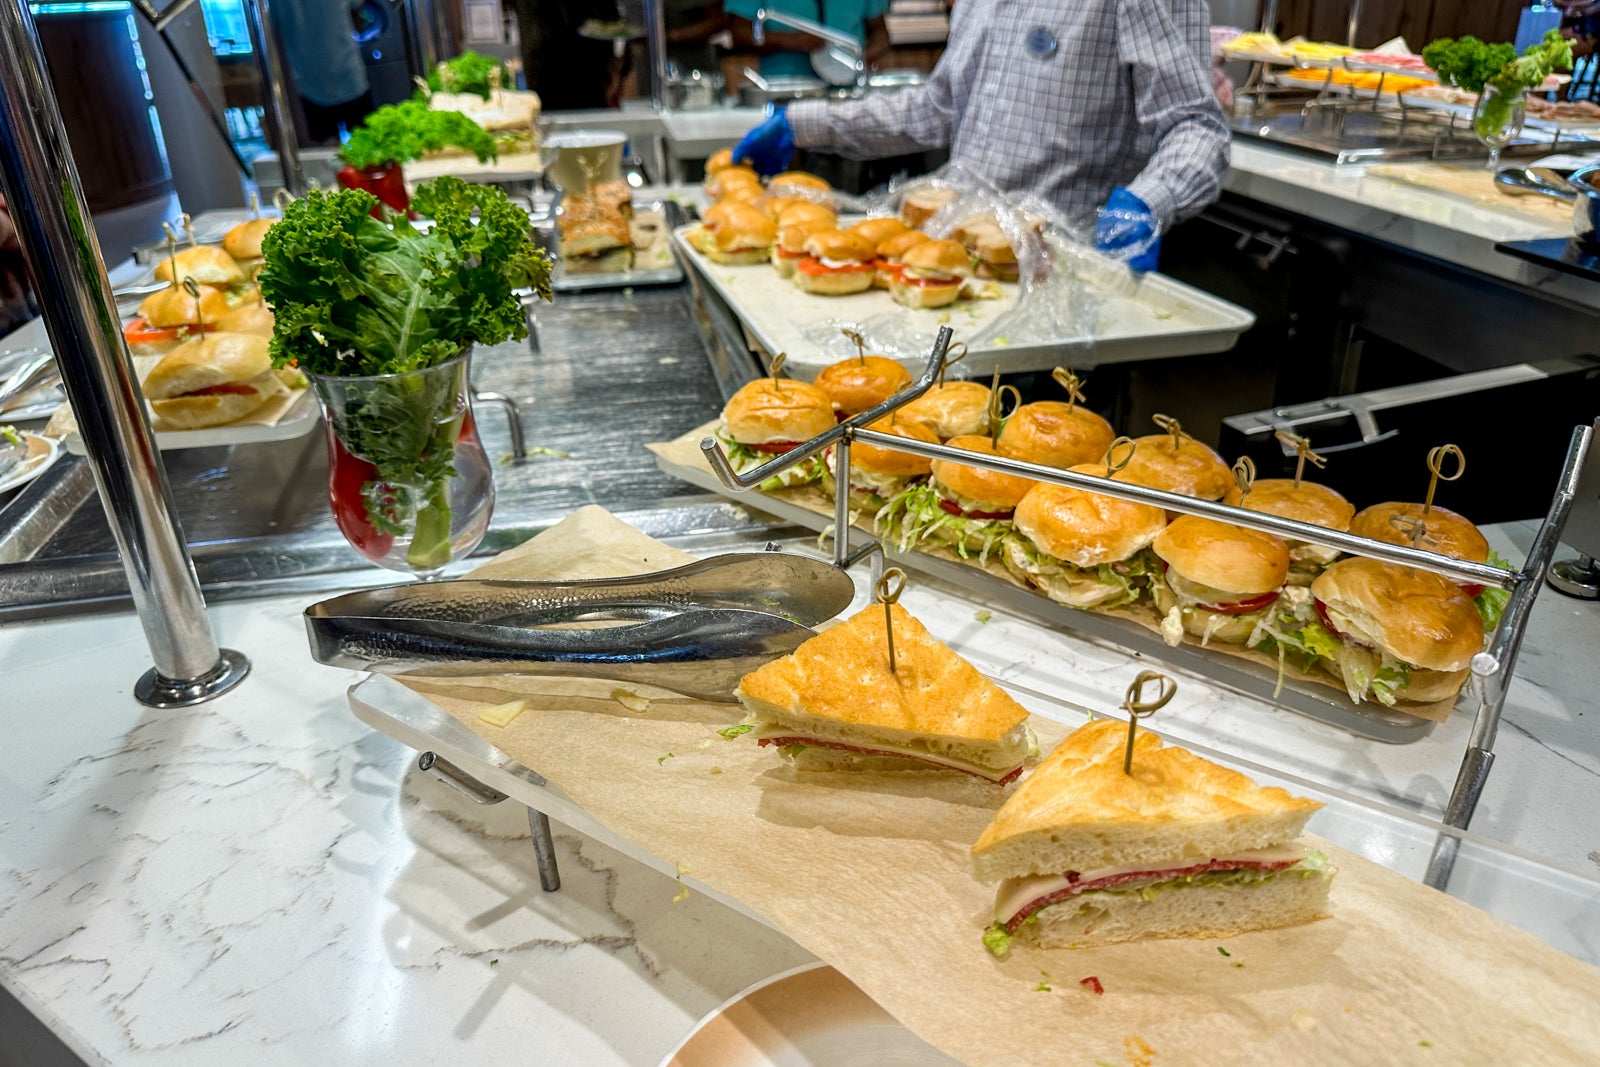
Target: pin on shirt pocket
[1040, 42]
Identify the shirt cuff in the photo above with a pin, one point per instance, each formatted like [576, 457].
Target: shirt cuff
[1163, 205]
[808, 120]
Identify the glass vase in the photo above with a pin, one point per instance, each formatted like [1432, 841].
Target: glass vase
[408, 481]
[1497, 119]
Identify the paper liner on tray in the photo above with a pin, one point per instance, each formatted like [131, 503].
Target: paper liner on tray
[63, 424]
[685, 451]
[869, 872]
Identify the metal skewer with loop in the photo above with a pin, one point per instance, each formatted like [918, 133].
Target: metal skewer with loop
[1138, 706]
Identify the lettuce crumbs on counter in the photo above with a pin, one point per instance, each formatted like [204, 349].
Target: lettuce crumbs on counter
[503, 714]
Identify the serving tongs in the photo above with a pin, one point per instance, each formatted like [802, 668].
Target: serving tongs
[695, 629]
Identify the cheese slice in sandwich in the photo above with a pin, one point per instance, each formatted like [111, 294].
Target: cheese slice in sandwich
[834, 704]
[1087, 855]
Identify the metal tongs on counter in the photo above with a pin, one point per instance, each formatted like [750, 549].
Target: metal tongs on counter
[695, 629]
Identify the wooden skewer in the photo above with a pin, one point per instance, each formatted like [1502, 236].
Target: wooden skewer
[951, 358]
[1436, 458]
[1115, 464]
[888, 591]
[776, 371]
[1303, 453]
[1244, 476]
[192, 287]
[860, 343]
[1138, 706]
[1172, 426]
[1071, 383]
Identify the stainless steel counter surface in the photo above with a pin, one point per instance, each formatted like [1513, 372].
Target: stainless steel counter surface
[607, 372]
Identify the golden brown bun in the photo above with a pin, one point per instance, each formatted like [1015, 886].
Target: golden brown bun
[206, 264]
[920, 206]
[834, 282]
[615, 196]
[1078, 811]
[839, 683]
[815, 215]
[877, 230]
[1448, 533]
[1193, 469]
[1056, 434]
[748, 195]
[915, 295]
[244, 240]
[199, 412]
[1415, 615]
[251, 318]
[764, 411]
[793, 238]
[595, 236]
[798, 179]
[718, 213]
[745, 257]
[1309, 502]
[745, 229]
[856, 384]
[775, 206]
[732, 177]
[721, 159]
[887, 460]
[1086, 529]
[1224, 557]
[203, 362]
[993, 248]
[892, 248]
[175, 307]
[951, 410]
[1003, 491]
[937, 259]
[840, 245]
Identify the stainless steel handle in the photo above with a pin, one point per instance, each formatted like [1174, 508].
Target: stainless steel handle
[815, 29]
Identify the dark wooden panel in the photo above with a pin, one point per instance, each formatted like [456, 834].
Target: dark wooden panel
[1418, 21]
[103, 105]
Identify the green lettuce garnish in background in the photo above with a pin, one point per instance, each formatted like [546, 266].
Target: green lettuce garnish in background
[469, 73]
[400, 133]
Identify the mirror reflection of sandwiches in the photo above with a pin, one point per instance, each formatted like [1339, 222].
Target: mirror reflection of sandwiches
[834, 704]
[597, 245]
[1087, 855]
[212, 380]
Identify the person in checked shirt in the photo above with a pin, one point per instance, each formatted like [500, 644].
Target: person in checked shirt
[1102, 107]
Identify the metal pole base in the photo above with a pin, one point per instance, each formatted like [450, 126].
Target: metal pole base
[155, 691]
[544, 850]
[1576, 577]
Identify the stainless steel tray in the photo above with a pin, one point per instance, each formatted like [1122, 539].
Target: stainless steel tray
[671, 274]
[1559, 906]
[1323, 703]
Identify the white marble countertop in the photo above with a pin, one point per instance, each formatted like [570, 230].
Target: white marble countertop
[263, 880]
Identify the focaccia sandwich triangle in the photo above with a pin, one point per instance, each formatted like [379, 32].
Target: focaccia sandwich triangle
[834, 703]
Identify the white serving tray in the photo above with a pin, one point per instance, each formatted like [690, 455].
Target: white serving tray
[302, 417]
[1157, 318]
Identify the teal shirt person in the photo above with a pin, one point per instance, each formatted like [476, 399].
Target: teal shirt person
[849, 16]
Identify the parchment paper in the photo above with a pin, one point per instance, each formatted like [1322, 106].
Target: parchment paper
[64, 424]
[1474, 183]
[869, 872]
[685, 452]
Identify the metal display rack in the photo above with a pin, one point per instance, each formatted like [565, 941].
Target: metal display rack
[1491, 669]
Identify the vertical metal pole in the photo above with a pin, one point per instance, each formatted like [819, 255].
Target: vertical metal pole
[655, 29]
[1269, 16]
[423, 29]
[280, 117]
[58, 240]
[1355, 22]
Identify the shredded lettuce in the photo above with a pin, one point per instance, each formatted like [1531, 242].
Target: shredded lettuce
[997, 941]
[1391, 678]
[1491, 603]
[730, 732]
[742, 458]
[914, 514]
[10, 434]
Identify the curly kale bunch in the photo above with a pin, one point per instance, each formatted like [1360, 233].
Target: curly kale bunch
[1467, 62]
[469, 73]
[399, 133]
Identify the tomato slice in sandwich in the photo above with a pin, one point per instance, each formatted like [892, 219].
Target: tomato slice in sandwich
[1242, 607]
[813, 265]
[226, 388]
[777, 447]
[952, 508]
[1322, 613]
[140, 332]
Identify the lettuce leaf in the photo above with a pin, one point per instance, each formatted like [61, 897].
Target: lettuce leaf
[997, 941]
[1392, 677]
[913, 515]
[1491, 603]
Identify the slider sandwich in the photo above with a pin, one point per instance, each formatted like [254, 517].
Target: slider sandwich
[1444, 532]
[1393, 633]
[878, 474]
[743, 238]
[1083, 549]
[890, 253]
[797, 183]
[729, 178]
[615, 197]
[930, 275]
[243, 242]
[834, 704]
[769, 417]
[951, 409]
[596, 245]
[1179, 464]
[212, 380]
[879, 230]
[923, 204]
[790, 247]
[206, 264]
[861, 382]
[996, 258]
[814, 215]
[968, 507]
[720, 160]
[837, 263]
[1306, 502]
[251, 318]
[1054, 433]
[1181, 847]
[171, 315]
[1220, 582]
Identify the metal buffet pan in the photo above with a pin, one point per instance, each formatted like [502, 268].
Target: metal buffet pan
[1491, 669]
[669, 274]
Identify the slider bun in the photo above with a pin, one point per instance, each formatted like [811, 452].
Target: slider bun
[206, 264]
[173, 306]
[1056, 434]
[1192, 469]
[793, 238]
[1310, 502]
[1451, 534]
[892, 248]
[856, 384]
[1415, 615]
[799, 179]
[596, 235]
[946, 258]
[718, 213]
[730, 177]
[198, 412]
[923, 204]
[203, 362]
[923, 296]
[806, 213]
[951, 410]
[788, 410]
[877, 230]
[244, 240]
[840, 244]
[743, 229]
[252, 318]
[1223, 557]
[749, 195]
[833, 282]
[775, 206]
[991, 487]
[1086, 529]
[992, 247]
[887, 460]
[720, 160]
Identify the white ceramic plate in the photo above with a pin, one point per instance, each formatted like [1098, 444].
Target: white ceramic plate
[42, 451]
[811, 1016]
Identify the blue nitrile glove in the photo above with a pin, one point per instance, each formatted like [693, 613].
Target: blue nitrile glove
[1127, 230]
[768, 146]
